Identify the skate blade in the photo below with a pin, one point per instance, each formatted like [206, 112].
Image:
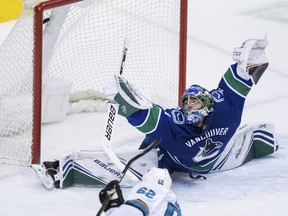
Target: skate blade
[46, 179]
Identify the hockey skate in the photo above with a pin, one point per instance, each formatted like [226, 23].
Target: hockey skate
[47, 172]
[251, 59]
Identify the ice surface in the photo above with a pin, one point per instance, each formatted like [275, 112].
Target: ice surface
[258, 188]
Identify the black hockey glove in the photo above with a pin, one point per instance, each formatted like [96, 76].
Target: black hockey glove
[113, 192]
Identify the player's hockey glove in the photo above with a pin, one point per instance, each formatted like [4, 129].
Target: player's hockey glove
[112, 192]
[130, 100]
[251, 59]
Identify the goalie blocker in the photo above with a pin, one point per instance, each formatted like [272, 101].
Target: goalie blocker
[94, 168]
[125, 94]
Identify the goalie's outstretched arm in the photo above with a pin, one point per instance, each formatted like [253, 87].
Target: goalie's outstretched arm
[139, 111]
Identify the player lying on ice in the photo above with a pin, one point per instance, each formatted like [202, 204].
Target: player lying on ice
[150, 197]
[200, 136]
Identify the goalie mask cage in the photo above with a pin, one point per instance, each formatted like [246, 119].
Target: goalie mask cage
[82, 41]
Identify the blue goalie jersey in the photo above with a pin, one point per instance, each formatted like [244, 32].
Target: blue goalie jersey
[187, 148]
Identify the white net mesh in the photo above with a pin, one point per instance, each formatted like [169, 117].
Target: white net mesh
[16, 93]
[87, 51]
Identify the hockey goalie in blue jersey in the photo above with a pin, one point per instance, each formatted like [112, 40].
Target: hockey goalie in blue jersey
[197, 136]
[202, 135]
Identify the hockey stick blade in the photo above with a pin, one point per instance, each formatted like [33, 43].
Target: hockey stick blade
[153, 145]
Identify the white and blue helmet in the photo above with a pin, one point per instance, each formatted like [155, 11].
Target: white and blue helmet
[194, 116]
[158, 176]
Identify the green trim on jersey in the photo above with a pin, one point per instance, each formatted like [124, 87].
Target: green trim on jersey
[236, 85]
[151, 121]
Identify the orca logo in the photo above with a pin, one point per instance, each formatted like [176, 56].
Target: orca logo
[209, 151]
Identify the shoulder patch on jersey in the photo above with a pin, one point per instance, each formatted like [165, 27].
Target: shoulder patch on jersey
[217, 95]
[178, 116]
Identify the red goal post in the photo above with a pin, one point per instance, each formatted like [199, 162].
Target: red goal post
[90, 42]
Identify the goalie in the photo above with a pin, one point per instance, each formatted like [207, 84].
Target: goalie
[203, 134]
[199, 136]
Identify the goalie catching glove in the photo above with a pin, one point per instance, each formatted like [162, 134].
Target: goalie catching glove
[130, 100]
[112, 192]
[251, 59]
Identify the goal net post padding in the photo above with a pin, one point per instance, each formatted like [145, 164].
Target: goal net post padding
[81, 42]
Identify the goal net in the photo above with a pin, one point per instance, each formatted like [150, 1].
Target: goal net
[79, 43]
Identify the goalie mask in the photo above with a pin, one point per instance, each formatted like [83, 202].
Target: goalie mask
[158, 176]
[197, 103]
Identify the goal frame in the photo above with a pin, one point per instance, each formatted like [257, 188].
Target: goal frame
[37, 68]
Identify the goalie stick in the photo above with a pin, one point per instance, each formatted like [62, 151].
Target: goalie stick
[145, 151]
[111, 122]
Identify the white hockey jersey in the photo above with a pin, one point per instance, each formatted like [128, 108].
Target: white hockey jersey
[146, 199]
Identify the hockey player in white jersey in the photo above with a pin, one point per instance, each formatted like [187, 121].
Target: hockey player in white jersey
[151, 197]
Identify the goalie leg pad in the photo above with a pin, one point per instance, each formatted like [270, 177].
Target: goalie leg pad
[250, 141]
[264, 141]
[94, 168]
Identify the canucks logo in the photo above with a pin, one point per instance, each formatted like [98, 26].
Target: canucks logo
[209, 151]
[218, 95]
